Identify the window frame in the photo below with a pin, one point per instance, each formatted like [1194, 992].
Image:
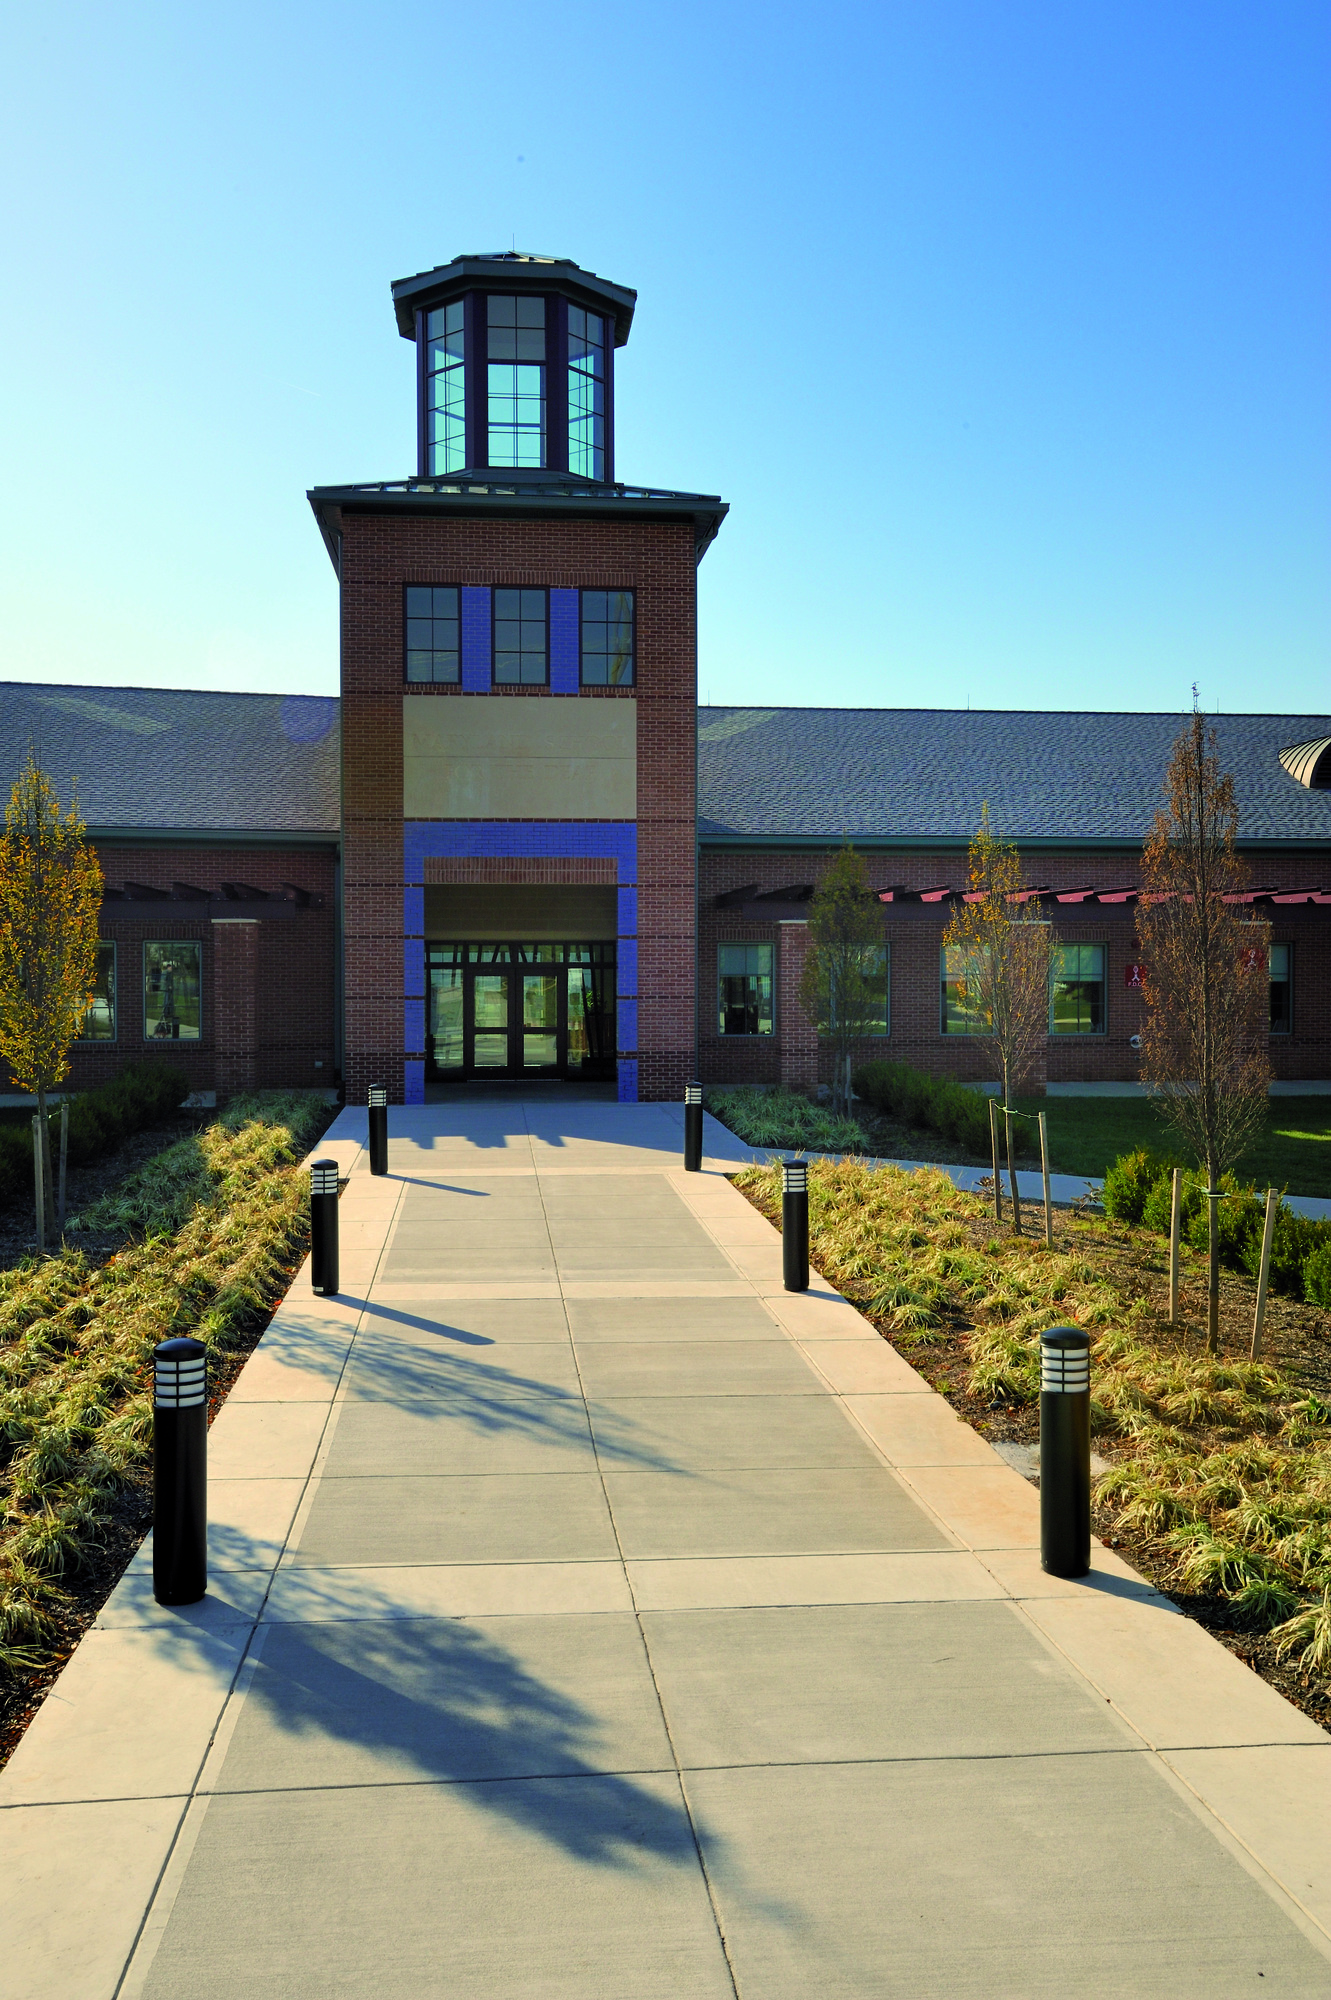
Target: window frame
[429, 376]
[101, 1041]
[1287, 982]
[746, 1034]
[544, 590]
[549, 311]
[881, 1034]
[173, 944]
[407, 681]
[595, 451]
[1080, 944]
[632, 595]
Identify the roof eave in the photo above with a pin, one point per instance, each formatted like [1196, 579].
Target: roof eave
[705, 510]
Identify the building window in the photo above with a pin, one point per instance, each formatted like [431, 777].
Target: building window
[962, 1013]
[1077, 990]
[446, 389]
[515, 382]
[171, 992]
[586, 393]
[1282, 1010]
[434, 647]
[519, 638]
[607, 638]
[744, 981]
[99, 1017]
[875, 968]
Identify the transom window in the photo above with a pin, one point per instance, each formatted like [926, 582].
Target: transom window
[1282, 989]
[1077, 990]
[586, 393]
[515, 381]
[446, 387]
[172, 997]
[519, 638]
[607, 638]
[99, 1017]
[744, 989]
[434, 638]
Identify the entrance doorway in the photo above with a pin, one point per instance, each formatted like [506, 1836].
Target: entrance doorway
[520, 1010]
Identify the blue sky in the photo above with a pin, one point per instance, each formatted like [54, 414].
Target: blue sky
[1003, 327]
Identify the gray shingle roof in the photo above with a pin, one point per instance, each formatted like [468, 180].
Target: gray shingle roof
[916, 773]
[161, 758]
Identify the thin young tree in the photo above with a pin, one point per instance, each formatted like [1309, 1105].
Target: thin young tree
[1000, 949]
[1204, 1050]
[50, 895]
[841, 987]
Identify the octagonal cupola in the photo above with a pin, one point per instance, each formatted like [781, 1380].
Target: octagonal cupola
[514, 366]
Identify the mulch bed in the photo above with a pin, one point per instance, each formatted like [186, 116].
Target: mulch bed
[87, 1184]
[1296, 1338]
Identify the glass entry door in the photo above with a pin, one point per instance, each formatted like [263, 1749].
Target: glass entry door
[515, 1010]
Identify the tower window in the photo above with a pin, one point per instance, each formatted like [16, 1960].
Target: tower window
[607, 638]
[586, 393]
[445, 401]
[520, 638]
[515, 385]
[433, 633]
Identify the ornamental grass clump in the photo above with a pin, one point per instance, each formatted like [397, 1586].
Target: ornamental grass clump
[783, 1118]
[1222, 1464]
[212, 1226]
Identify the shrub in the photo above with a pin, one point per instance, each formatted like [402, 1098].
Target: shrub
[931, 1103]
[141, 1095]
[1129, 1183]
[784, 1118]
[1317, 1276]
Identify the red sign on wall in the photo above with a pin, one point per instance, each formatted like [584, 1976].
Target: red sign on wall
[1252, 958]
[1134, 977]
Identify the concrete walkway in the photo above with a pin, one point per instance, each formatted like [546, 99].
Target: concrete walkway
[590, 1618]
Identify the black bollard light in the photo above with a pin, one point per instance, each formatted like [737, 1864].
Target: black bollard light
[180, 1471]
[693, 1128]
[795, 1225]
[378, 1117]
[1065, 1451]
[323, 1227]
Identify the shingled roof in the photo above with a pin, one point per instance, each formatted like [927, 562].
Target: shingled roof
[170, 759]
[917, 774]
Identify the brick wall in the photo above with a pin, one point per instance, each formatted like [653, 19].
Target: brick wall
[655, 559]
[278, 1022]
[915, 942]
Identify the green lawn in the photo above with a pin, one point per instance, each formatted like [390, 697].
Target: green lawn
[1087, 1133]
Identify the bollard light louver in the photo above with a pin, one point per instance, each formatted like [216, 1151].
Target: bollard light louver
[377, 1120]
[693, 1128]
[795, 1225]
[324, 1273]
[1065, 1451]
[180, 1471]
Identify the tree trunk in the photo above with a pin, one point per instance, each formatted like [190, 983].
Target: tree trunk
[48, 1181]
[1012, 1173]
[1213, 1268]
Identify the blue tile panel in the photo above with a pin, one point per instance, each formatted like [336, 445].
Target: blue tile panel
[565, 660]
[477, 639]
[615, 840]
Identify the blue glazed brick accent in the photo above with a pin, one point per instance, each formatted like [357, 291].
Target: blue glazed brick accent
[476, 639]
[628, 1082]
[413, 967]
[413, 912]
[413, 1078]
[626, 1023]
[565, 661]
[626, 966]
[413, 1018]
[628, 912]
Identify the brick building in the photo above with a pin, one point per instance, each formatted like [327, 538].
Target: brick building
[517, 848]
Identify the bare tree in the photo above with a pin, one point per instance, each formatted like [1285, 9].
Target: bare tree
[1205, 1056]
[842, 988]
[998, 957]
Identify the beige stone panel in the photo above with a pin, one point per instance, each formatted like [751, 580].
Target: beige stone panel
[514, 759]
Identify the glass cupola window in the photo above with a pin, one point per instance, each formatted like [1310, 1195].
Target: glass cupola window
[446, 384]
[586, 393]
[515, 381]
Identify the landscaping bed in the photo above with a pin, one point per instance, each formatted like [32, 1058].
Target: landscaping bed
[1218, 1485]
[787, 1121]
[203, 1239]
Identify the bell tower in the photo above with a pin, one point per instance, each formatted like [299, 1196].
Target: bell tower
[519, 710]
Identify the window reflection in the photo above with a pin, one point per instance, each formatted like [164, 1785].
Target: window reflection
[172, 992]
